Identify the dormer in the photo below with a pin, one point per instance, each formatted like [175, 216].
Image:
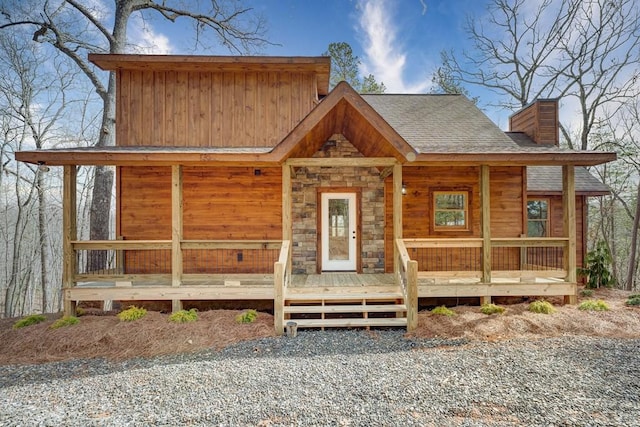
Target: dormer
[212, 101]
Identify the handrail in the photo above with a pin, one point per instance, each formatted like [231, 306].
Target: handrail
[120, 244]
[408, 269]
[230, 244]
[463, 242]
[402, 252]
[529, 242]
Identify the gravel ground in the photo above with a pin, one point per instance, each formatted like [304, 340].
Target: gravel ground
[340, 378]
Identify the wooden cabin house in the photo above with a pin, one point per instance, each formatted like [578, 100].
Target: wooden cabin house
[245, 178]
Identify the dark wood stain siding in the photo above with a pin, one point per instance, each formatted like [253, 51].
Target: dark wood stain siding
[210, 109]
[539, 121]
[506, 202]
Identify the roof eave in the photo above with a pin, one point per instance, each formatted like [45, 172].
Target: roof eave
[588, 158]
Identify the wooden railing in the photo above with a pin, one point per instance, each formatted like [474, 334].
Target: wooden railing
[130, 260]
[523, 258]
[148, 259]
[406, 276]
[281, 280]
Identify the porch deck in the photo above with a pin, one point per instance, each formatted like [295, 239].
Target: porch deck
[261, 286]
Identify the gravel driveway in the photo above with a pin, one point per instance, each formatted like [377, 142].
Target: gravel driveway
[341, 378]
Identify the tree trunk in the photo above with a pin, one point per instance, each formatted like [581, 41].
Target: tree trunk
[634, 245]
[42, 234]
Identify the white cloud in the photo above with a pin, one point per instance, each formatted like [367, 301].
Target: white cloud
[143, 38]
[385, 56]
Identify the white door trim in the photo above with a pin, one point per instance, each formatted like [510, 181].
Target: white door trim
[349, 264]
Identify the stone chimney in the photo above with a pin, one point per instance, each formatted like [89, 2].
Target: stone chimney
[538, 120]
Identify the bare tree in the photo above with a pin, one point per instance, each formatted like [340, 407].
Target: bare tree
[585, 52]
[76, 29]
[32, 103]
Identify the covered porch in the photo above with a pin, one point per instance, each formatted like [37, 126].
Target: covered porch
[181, 269]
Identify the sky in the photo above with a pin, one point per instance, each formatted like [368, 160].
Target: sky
[398, 41]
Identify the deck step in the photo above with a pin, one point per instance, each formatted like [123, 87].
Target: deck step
[348, 323]
[375, 296]
[362, 308]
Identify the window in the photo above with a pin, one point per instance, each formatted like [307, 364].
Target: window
[537, 218]
[451, 210]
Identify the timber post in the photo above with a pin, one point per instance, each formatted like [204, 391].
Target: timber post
[176, 232]
[485, 201]
[69, 235]
[569, 226]
[397, 215]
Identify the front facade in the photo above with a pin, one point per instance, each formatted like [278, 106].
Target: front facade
[242, 178]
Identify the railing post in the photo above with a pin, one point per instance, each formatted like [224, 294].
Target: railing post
[278, 297]
[412, 295]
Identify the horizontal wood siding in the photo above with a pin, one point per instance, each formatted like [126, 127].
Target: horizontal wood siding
[210, 109]
[232, 204]
[539, 121]
[506, 207]
[556, 225]
[218, 204]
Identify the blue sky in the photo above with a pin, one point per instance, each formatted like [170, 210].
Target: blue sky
[398, 41]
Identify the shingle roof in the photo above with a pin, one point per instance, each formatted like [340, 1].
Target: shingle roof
[445, 124]
[453, 124]
[548, 179]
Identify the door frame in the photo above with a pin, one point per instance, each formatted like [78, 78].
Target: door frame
[350, 190]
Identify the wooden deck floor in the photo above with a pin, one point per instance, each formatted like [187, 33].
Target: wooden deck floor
[340, 280]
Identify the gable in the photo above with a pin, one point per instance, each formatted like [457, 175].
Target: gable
[344, 112]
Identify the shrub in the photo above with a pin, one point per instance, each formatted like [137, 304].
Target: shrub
[80, 311]
[443, 311]
[541, 307]
[593, 305]
[491, 309]
[586, 292]
[597, 267]
[633, 299]
[184, 316]
[29, 320]
[247, 316]
[132, 313]
[65, 321]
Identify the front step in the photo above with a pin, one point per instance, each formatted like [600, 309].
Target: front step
[362, 308]
[346, 307]
[350, 323]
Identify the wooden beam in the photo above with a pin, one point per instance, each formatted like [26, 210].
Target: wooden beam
[176, 231]
[485, 201]
[170, 293]
[338, 162]
[397, 214]
[69, 234]
[386, 172]
[569, 225]
[495, 289]
[286, 203]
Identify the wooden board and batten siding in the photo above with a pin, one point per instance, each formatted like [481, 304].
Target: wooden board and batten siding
[210, 109]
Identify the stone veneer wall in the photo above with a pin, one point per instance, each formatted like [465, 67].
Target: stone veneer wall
[305, 200]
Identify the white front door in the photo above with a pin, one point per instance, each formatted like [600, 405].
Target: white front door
[339, 227]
